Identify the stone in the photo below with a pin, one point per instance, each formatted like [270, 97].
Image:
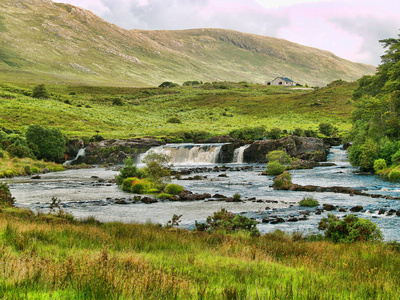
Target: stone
[381, 211]
[356, 208]
[328, 207]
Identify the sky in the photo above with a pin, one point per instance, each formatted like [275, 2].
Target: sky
[350, 29]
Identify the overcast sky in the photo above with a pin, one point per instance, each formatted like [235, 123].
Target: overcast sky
[349, 28]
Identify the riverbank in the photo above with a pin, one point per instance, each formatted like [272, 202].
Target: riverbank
[53, 257]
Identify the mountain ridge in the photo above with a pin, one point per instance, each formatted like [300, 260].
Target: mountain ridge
[43, 40]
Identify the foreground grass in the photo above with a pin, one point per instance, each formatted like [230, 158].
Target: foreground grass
[214, 108]
[50, 257]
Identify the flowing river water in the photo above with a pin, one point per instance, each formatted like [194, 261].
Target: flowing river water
[86, 192]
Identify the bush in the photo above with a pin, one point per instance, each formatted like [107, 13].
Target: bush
[394, 175]
[326, 129]
[5, 195]
[164, 196]
[168, 84]
[350, 229]
[379, 164]
[309, 133]
[46, 143]
[129, 170]
[173, 189]
[308, 202]
[237, 197]
[248, 133]
[157, 167]
[298, 132]
[274, 133]
[229, 223]
[40, 91]
[1, 154]
[141, 186]
[275, 168]
[19, 150]
[280, 156]
[127, 183]
[174, 120]
[283, 181]
[117, 101]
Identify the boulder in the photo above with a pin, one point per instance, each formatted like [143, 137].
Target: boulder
[328, 207]
[357, 208]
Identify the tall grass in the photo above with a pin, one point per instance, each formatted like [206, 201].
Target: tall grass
[47, 257]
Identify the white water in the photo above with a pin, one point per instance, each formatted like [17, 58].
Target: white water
[239, 153]
[188, 153]
[81, 152]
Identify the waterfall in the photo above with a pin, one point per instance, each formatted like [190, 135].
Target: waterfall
[238, 154]
[81, 152]
[188, 153]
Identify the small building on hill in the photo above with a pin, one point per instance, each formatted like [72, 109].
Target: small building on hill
[283, 81]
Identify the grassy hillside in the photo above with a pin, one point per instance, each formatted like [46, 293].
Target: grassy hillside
[214, 108]
[50, 257]
[42, 41]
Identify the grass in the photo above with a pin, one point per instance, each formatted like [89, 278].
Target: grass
[50, 257]
[81, 110]
[10, 167]
[309, 202]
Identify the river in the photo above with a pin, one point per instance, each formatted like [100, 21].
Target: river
[86, 192]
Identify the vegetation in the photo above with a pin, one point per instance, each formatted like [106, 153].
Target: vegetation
[58, 257]
[173, 189]
[275, 168]
[283, 181]
[376, 126]
[349, 229]
[129, 170]
[308, 202]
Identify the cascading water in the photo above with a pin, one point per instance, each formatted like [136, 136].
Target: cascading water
[239, 153]
[81, 152]
[188, 153]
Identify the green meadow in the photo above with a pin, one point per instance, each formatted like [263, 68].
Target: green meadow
[215, 108]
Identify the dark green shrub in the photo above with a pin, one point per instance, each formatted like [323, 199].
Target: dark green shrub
[1, 154]
[117, 101]
[127, 183]
[46, 143]
[174, 120]
[168, 84]
[298, 132]
[5, 195]
[129, 170]
[283, 181]
[228, 222]
[173, 189]
[40, 91]
[326, 129]
[157, 167]
[349, 229]
[189, 83]
[27, 170]
[248, 133]
[308, 202]
[274, 133]
[19, 150]
[309, 133]
[275, 168]
[237, 197]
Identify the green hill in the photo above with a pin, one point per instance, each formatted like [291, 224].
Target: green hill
[45, 41]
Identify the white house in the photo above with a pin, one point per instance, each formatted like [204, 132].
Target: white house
[283, 81]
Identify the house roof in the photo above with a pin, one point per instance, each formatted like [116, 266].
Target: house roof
[286, 79]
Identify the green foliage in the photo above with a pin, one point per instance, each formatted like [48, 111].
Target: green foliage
[394, 175]
[127, 183]
[117, 101]
[158, 168]
[379, 164]
[275, 168]
[248, 133]
[349, 229]
[228, 222]
[237, 197]
[129, 170]
[326, 129]
[280, 156]
[274, 133]
[298, 131]
[190, 83]
[168, 84]
[173, 189]
[40, 92]
[310, 133]
[47, 143]
[283, 181]
[174, 120]
[164, 196]
[308, 202]
[5, 195]
[141, 186]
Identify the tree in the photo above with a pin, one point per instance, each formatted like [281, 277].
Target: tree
[46, 143]
[40, 91]
[157, 167]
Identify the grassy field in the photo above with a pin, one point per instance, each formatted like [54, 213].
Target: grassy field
[50, 257]
[216, 108]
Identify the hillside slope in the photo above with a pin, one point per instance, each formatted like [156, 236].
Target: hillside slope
[41, 40]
